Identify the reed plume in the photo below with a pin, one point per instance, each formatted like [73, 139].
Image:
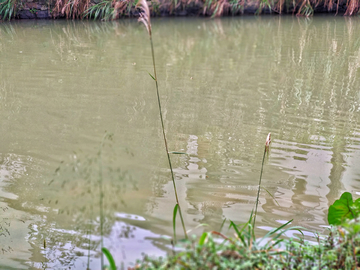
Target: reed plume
[145, 16]
[145, 19]
[266, 149]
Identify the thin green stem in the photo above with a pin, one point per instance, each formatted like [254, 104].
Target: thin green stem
[101, 200]
[165, 141]
[89, 234]
[258, 194]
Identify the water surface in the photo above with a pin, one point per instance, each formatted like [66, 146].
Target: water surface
[224, 85]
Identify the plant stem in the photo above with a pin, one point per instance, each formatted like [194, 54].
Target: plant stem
[89, 234]
[101, 200]
[258, 194]
[165, 141]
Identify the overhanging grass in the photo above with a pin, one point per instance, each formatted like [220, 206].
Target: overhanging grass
[114, 9]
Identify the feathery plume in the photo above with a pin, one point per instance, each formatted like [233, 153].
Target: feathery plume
[144, 15]
[267, 142]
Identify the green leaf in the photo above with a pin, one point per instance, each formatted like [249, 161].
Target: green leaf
[203, 238]
[222, 224]
[174, 221]
[343, 209]
[110, 258]
[357, 203]
[271, 196]
[279, 228]
[239, 234]
[152, 76]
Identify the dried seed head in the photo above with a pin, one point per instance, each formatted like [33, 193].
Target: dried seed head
[268, 141]
[144, 15]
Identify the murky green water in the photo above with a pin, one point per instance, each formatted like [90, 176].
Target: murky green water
[224, 85]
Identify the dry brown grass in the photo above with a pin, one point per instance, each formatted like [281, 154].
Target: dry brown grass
[71, 9]
[120, 8]
[352, 7]
[75, 9]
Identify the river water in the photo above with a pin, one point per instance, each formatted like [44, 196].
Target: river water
[77, 105]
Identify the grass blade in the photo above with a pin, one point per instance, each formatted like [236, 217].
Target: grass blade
[282, 226]
[110, 258]
[203, 238]
[271, 196]
[296, 228]
[152, 76]
[222, 224]
[174, 220]
[239, 234]
[277, 229]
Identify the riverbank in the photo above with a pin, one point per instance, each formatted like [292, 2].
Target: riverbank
[112, 9]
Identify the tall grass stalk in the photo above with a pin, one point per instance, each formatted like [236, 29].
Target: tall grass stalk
[145, 19]
[266, 149]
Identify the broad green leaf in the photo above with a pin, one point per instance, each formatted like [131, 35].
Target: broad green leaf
[357, 204]
[343, 209]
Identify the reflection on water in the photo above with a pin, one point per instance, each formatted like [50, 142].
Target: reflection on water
[224, 85]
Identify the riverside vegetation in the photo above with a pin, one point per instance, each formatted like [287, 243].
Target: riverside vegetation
[114, 9]
[340, 249]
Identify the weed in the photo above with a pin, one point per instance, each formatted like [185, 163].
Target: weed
[108, 9]
[266, 150]
[73, 9]
[103, 10]
[94, 185]
[8, 9]
[353, 7]
[113, 9]
[264, 4]
[145, 19]
[305, 9]
[236, 6]
[213, 250]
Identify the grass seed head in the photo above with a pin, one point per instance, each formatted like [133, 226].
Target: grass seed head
[144, 15]
[267, 142]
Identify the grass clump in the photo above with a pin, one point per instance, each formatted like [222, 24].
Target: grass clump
[8, 9]
[109, 9]
[71, 9]
[338, 250]
[114, 9]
